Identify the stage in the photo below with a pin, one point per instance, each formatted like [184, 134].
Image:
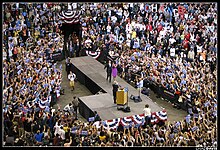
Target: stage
[91, 73]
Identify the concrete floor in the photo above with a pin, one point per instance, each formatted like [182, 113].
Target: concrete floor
[80, 90]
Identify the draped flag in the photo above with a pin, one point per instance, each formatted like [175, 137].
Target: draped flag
[44, 103]
[113, 124]
[154, 118]
[162, 115]
[94, 54]
[126, 120]
[137, 120]
[97, 124]
[71, 15]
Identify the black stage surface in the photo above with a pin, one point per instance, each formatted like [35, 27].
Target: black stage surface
[91, 73]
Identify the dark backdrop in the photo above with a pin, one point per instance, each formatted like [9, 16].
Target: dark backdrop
[69, 29]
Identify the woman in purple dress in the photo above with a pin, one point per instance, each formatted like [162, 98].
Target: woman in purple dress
[114, 70]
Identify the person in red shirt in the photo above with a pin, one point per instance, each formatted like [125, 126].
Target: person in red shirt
[185, 44]
[187, 36]
[149, 27]
[15, 53]
[159, 28]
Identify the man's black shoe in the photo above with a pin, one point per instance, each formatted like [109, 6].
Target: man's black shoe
[136, 101]
[139, 100]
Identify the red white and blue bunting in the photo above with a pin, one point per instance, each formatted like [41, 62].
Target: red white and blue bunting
[138, 119]
[135, 119]
[162, 115]
[94, 54]
[112, 124]
[71, 15]
[43, 104]
[97, 124]
[126, 121]
[154, 118]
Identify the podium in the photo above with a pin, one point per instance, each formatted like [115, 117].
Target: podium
[122, 96]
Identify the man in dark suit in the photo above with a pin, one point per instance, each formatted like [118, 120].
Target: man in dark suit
[109, 70]
[97, 117]
[75, 103]
[114, 90]
[68, 66]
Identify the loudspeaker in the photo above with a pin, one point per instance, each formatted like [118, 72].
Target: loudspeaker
[136, 98]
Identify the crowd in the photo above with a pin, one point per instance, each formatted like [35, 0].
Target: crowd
[173, 44]
[31, 78]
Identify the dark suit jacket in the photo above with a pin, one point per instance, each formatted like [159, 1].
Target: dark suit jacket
[109, 69]
[115, 87]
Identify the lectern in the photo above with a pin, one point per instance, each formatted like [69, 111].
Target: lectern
[122, 97]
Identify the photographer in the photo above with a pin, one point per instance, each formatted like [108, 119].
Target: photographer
[75, 103]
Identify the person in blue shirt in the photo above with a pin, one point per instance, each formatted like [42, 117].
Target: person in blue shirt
[39, 137]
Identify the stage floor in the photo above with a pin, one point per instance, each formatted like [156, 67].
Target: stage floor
[103, 103]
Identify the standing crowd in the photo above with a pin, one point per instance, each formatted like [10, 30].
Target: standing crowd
[31, 78]
[172, 44]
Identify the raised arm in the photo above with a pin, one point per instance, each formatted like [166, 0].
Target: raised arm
[70, 141]
[105, 66]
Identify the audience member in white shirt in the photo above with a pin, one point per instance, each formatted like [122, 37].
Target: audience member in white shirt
[147, 114]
